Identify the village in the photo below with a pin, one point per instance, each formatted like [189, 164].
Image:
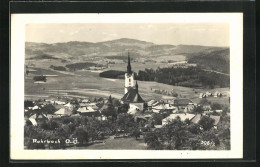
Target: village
[93, 120]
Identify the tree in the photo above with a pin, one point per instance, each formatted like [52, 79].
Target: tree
[165, 113]
[123, 108]
[198, 110]
[28, 103]
[206, 123]
[174, 133]
[125, 122]
[216, 106]
[204, 102]
[48, 109]
[67, 120]
[152, 141]
[194, 128]
[136, 132]
[157, 119]
[82, 135]
[209, 139]
[109, 111]
[49, 125]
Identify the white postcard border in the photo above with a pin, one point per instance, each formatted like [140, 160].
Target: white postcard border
[18, 22]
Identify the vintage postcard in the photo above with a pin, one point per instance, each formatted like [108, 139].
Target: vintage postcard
[126, 86]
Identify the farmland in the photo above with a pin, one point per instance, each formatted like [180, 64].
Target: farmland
[84, 83]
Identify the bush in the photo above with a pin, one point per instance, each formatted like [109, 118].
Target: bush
[40, 78]
[58, 68]
[152, 141]
[80, 66]
[49, 125]
[216, 106]
[28, 103]
[206, 122]
[210, 136]
[194, 128]
[28, 122]
[67, 120]
[82, 135]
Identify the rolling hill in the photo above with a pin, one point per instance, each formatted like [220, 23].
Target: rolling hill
[209, 57]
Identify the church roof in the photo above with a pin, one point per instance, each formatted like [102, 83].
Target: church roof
[132, 96]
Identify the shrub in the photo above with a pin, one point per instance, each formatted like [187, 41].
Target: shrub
[49, 125]
[206, 122]
[152, 141]
[82, 135]
[67, 120]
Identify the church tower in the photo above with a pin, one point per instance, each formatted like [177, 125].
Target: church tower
[129, 77]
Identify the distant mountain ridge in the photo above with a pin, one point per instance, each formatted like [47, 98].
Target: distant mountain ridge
[137, 48]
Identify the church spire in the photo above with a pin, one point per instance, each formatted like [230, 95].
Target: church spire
[129, 70]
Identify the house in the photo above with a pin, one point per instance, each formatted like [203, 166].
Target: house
[207, 112]
[93, 106]
[34, 118]
[50, 116]
[70, 106]
[196, 119]
[208, 94]
[217, 119]
[206, 107]
[59, 102]
[64, 112]
[205, 104]
[33, 121]
[161, 107]
[151, 102]
[189, 108]
[182, 102]
[146, 117]
[88, 111]
[85, 101]
[35, 107]
[219, 111]
[182, 117]
[83, 104]
[202, 95]
[217, 94]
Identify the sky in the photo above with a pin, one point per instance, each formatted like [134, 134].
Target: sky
[208, 34]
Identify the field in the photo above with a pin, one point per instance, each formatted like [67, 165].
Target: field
[85, 83]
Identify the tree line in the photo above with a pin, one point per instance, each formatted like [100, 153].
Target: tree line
[188, 77]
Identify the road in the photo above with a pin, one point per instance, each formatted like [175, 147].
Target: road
[216, 72]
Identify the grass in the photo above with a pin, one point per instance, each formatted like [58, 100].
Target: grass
[76, 83]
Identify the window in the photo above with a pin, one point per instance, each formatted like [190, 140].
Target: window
[129, 79]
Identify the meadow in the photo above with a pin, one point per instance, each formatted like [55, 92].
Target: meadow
[85, 83]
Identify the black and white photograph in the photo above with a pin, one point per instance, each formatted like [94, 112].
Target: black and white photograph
[129, 82]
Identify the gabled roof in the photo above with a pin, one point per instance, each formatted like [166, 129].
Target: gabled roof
[86, 109]
[132, 96]
[182, 102]
[216, 118]
[63, 111]
[68, 105]
[196, 119]
[182, 117]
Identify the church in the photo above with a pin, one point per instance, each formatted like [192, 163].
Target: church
[132, 96]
